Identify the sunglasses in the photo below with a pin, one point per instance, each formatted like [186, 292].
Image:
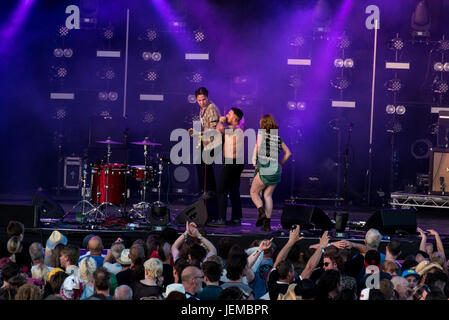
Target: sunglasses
[326, 264]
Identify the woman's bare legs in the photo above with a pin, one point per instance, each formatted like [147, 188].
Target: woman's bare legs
[268, 197]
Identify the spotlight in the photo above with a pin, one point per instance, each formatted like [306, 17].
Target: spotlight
[68, 53]
[199, 36]
[338, 63]
[348, 63]
[421, 21]
[291, 105]
[150, 75]
[191, 98]
[109, 74]
[438, 66]
[446, 67]
[61, 72]
[396, 44]
[108, 33]
[343, 42]
[295, 81]
[148, 117]
[63, 31]
[340, 83]
[146, 55]
[394, 85]
[301, 106]
[400, 110]
[196, 77]
[440, 86]
[390, 109]
[443, 45]
[60, 114]
[151, 34]
[156, 56]
[113, 96]
[58, 52]
[297, 41]
[102, 96]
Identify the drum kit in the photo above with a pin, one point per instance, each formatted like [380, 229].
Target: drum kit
[107, 192]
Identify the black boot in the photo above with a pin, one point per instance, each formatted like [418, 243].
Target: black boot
[266, 225]
[261, 217]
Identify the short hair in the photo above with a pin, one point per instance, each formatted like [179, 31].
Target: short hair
[212, 270]
[387, 288]
[9, 269]
[231, 293]
[87, 268]
[36, 251]
[15, 228]
[156, 243]
[137, 253]
[123, 292]
[28, 291]
[101, 278]
[116, 249]
[328, 282]
[335, 258]
[235, 266]
[197, 252]
[188, 273]
[97, 244]
[267, 122]
[13, 246]
[72, 252]
[394, 247]
[201, 91]
[153, 268]
[176, 295]
[238, 112]
[180, 265]
[283, 268]
[41, 272]
[56, 253]
[373, 238]
[56, 281]
[433, 277]
[389, 265]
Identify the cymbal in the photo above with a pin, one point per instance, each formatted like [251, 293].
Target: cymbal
[109, 141]
[146, 142]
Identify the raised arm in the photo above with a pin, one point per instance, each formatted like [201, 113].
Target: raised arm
[316, 257]
[253, 257]
[422, 245]
[292, 239]
[194, 233]
[438, 241]
[178, 243]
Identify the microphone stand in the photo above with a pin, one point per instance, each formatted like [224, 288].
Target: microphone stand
[125, 135]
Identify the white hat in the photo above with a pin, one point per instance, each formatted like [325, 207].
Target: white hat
[124, 258]
[56, 238]
[174, 287]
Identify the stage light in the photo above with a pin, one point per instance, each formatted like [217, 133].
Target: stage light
[443, 45]
[297, 41]
[68, 53]
[191, 98]
[150, 75]
[348, 63]
[151, 34]
[58, 52]
[440, 86]
[343, 42]
[400, 110]
[102, 96]
[109, 74]
[60, 114]
[156, 56]
[394, 85]
[340, 83]
[105, 114]
[438, 66]
[199, 35]
[421, 21]
[113, 95]
[446, 67]
[390, 109]
[301, 106]
[108, 33]
[148, 117]
[291, 105]
[63, 31]
[61, 72]
[338, 63]
[196, 77]
[295, 81]
[146, 55]
[396, 44]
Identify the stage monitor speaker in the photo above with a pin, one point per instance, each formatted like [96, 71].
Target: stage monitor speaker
[27, 214]
[194, 213]
[391, 221]
[48, 207]
[307, 216]
[439, 171]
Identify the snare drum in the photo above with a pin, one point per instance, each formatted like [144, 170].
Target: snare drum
[108, 177]
[138, 173]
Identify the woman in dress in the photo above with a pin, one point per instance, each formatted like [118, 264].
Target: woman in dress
[268, 168]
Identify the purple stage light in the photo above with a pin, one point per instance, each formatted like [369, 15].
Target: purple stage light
[338, 63]
[58, 52]
[148, 117]
[394, 85]
[146, 55]
[110, 74]
[348, 63]
[151, 34]
[396, 44]
[196, 77]
[63, 31]
[61, 72]
[191, 98]
[68, 53]
[295, 81]
[343, 42]
[113, 96]
[297, 41]
[438, 66]
[156, 56]
[400, 110]
[60, 114]
[446, 67]
[150, 75]
[199, 36]
[340, 83]
[390, 109]
[102, 96]
[291, 105]
[440, 86]
[108, 33]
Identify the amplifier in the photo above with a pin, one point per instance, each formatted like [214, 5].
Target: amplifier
[72, 173]
[439, 171]
[246, 179]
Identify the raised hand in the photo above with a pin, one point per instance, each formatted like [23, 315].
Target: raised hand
[294, 235]
[342, 244]
[265, 244]
[432, 232]
[324, 240]
[421, 232]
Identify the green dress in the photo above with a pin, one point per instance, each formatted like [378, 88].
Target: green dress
[268, 163]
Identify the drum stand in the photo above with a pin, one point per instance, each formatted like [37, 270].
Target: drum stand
[83, 204]
[141, 209]
[102, 210]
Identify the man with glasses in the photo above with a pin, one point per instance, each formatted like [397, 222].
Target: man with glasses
[192, 280]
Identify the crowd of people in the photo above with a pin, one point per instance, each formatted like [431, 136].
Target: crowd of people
[172, 266]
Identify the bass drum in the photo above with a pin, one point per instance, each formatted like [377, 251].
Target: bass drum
[108, 183]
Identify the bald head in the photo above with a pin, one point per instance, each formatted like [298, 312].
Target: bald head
[123, 292]
[95, 245]
[192, 279]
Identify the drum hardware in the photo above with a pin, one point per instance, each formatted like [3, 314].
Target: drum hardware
[160, 214]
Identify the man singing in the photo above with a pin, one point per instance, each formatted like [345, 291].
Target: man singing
[231, 126]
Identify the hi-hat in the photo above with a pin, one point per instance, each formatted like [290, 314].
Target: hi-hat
[109, 141]
[146, 142]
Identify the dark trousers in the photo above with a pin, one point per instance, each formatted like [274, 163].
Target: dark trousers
[230, 185]
[206, 177]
